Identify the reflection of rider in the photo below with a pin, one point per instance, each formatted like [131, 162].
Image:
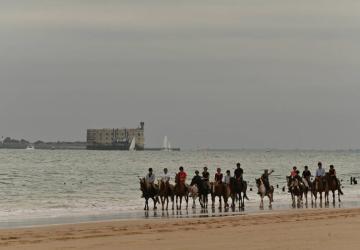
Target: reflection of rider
[218, 176]
[265, 179]
[238, 173]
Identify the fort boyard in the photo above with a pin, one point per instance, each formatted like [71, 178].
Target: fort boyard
[115, 138]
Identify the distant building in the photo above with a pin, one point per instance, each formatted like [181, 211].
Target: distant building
[115, 138]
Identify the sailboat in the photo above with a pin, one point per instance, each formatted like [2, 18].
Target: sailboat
[166, 144]
[132, 144]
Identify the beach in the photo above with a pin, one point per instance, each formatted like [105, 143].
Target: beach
[300, 229]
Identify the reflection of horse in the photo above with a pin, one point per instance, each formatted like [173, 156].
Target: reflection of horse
[166, 190]
[319, 186]
[237, 187]
[332, 185]
[296, 189]
[262, 192]
[148, 192]
[220, 190]
[180, 191]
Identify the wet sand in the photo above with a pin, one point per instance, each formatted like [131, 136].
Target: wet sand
[301, 229]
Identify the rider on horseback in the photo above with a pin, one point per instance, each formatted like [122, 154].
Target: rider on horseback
[320, 173]
[166, 176]
[206, 177]
[306, 174]
[293, 172]
[181, 176]
[238, 173]
[197, 180]
[150, 179]
[332, 173]
[265, 179]
[218, 176]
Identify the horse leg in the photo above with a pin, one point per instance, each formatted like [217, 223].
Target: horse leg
[339, 196]
[220, 202]
[261, 201]
[180, 202]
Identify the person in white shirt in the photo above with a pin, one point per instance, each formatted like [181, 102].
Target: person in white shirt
[227, 177]
[320, 172]
[165, 177]
[150, 177]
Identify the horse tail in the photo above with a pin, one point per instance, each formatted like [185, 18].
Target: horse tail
[245, 196]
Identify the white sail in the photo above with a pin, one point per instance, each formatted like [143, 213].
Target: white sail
[169, 146]
[165, 143]
[132, 144]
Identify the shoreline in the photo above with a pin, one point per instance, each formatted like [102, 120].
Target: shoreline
[131, 215]
[330, 228]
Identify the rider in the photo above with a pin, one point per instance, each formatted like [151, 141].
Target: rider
[197, 180]
[320, 173]
[206, 176]
[227, 178]
[150, 179]
[265, 179]
[181, 176]
[306, 174]
[218, 176]
[238, 173]
[166, 176]
[332, 173]
[293, 172]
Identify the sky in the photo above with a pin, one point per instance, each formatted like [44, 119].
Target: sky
[207, 74]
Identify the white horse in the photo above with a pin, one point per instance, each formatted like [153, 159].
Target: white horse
[194, 193]
[262, 192]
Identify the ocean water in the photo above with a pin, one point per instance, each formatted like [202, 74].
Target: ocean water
[61, 186]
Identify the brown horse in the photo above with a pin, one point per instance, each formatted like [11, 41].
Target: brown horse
[148, 192]
[319, 186]
[332, 185]
[220, 190]
[166, 190]
[180, 191]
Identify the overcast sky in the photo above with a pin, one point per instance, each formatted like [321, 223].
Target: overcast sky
[219, 74]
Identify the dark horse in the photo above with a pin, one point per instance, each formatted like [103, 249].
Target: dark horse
[202, 192]
[237, 187]
[220, 190]
[181, 191]
[166, 190]
[319, 186]
[296, 189]
[332, 185]
[148, 192]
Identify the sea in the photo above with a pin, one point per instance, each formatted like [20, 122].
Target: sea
[42, 187]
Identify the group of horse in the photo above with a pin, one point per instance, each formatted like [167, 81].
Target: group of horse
[325, 184]
[163, 192]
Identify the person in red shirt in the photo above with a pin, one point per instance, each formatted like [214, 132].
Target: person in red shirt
[181, 176]
[218, 176]
[293, 172]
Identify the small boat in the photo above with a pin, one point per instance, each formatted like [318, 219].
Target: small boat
[30, 147]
